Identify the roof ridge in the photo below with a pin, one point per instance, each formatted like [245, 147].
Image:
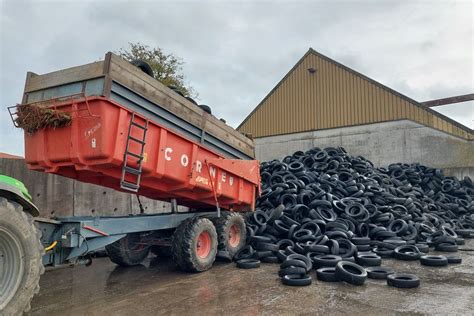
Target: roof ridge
[370, 80]
[276, 87]
[401, 95]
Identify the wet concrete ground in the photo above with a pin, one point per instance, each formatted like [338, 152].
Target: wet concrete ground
[159, 288]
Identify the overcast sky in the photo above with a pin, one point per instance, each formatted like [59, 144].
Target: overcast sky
[236, 52]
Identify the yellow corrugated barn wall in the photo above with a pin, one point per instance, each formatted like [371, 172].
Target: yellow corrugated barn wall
[336, 96]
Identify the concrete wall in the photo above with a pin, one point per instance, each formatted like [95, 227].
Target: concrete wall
[57, 196]
[382, 143]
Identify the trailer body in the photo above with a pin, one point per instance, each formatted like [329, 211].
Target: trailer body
[121, 82]
[130, 133]
[109, 145]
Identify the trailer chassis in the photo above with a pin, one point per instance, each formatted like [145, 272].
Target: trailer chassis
[68, 239]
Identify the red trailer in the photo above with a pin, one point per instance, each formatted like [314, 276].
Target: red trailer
[109, 145]
[126, 131]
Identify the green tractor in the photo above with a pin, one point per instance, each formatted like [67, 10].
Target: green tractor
[20, 248]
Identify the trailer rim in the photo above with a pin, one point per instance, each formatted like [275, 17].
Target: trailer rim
[234, 235]
[203, 245]
[11, 265]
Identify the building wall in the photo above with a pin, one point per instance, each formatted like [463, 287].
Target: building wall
[336, 96]
[382, 143]
[57, 196]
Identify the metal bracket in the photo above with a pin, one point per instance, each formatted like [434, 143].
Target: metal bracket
[218, 208]
[174, 206]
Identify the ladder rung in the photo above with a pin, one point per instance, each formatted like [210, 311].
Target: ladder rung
[137, 140]
[132, 170]
[140, 126]
[134, 155]
[129, 185]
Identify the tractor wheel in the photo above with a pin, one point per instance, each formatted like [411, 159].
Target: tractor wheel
[194, 244]
[20, 258]
[128, 251]
[231, 232]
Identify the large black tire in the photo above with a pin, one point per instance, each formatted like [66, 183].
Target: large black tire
[231, 232]
[143, 66]
[190, 239]
[205, 108]
[20, 258]
[128, 251]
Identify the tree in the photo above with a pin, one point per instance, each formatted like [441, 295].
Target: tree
[167, 68]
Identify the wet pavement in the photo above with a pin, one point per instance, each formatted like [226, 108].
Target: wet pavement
[157, 288]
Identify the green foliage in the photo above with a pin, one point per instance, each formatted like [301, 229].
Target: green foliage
[167, 68]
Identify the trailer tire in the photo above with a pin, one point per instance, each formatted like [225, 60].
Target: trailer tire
[194, 244]
[231, 232]
[20, 241]
[162, 251]
[127, 252]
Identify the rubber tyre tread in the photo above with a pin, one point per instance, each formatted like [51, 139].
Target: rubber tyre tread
[323, 275]
[183, 248]
[392, 280]
[161, 251]
[349, 277]
[248, 263]
[287, 280]
[143, 66]
[223, 224]
[119, 252]
[434, 261]
[454, 259]
[22, 225]
[379, 273]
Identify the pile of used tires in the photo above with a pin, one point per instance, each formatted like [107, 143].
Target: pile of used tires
[328, 210]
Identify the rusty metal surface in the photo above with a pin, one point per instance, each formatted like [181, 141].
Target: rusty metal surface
[336, 96]
[450, 100]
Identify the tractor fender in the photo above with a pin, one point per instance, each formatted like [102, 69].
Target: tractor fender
[14, 190]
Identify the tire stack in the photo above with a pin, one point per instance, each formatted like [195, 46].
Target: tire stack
[329, 206]
[294, 270]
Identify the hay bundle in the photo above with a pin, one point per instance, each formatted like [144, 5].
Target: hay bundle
[32, 118]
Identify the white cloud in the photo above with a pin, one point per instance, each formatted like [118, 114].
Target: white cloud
[235, 52]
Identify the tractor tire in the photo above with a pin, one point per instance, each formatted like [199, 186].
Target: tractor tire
[231, 232]
[127, 251]
[194, 244]
[20, 258]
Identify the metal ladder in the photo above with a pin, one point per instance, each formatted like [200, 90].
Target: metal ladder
[136, 172]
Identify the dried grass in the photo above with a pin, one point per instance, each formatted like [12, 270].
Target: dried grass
[32, 118]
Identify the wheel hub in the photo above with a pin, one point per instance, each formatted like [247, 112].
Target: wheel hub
[203, 245]
[11, 265]
[234, 236]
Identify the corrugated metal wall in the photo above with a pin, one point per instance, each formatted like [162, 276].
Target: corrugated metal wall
[335, 96]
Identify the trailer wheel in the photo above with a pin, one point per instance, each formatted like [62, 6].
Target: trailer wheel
[231, 232]
[194, 244]
[161, 251]
[128, 251]
[20, 258]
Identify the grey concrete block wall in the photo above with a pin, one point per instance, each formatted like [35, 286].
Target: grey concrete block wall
[57, 196]
[382, 143]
